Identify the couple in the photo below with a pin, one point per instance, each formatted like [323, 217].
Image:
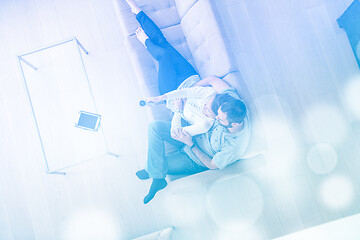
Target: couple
[217, 129]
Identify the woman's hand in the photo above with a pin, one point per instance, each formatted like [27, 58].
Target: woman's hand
[175, 132]
[179, 104]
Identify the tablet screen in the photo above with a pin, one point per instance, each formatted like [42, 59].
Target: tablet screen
[88, 121]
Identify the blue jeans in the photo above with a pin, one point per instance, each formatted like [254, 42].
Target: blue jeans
[173, 68]
[175, 163]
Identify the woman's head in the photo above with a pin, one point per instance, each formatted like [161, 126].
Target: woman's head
[212, 106]
[219, 100]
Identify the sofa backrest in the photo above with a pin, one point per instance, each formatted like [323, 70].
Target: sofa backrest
[208, 43]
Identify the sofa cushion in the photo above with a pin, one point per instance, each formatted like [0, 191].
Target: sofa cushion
[202, 30]
[183, 6]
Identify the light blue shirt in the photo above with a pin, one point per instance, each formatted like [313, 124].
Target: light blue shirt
[221, 145]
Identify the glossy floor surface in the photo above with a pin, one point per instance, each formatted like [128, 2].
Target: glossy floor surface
[301, 72]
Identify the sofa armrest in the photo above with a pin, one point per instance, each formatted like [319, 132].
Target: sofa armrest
[164, 234]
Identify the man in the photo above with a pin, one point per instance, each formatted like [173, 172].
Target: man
[225, 142]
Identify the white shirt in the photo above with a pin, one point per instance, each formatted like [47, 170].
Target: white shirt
[196, 98]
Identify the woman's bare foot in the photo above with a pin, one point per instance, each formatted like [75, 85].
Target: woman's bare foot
[141, 35]
[134, 7]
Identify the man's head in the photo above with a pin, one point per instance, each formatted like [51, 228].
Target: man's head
[232, 113]
[229, 111]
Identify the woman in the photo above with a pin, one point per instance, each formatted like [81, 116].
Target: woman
[199, 111]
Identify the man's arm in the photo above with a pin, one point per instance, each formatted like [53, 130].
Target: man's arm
[186, 138]
[204, 158]
[216, 83]
[198, 128]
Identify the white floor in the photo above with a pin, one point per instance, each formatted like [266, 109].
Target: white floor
[299, 68]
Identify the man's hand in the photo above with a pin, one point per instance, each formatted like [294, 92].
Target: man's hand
[181, 135]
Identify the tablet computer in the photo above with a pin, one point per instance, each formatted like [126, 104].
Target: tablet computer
[88, 121]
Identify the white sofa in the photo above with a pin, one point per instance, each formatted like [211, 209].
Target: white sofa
[194, 28]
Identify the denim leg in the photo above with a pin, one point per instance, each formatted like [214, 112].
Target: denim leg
[158, 134]
[157, 45]
[167, 75]
[173, 68]
[183, 68]
[151, 29]
[176, 163]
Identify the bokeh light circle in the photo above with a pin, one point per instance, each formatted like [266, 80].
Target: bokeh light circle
[352, 97]
[235, 203]
[337, 192]
[326, 123]
[321, 158]
[273, 105]
[189, 210]
[281, 145]
[91, 225]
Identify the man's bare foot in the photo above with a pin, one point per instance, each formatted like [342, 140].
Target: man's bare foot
[134, 7]
[141, 35]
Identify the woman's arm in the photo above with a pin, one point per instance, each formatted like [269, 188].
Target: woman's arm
[156, 99]
[197, 128]
[195, 91]
[175, 94]
[216, 83]
[175, 123]
[178, 104]
[192, 92]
